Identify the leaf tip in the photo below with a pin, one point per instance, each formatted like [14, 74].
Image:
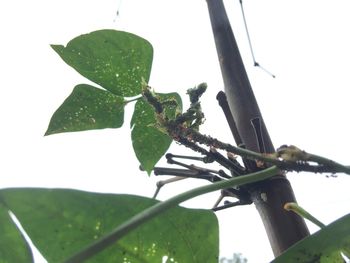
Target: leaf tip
[146, 169]
[50, 131]
[57, 48]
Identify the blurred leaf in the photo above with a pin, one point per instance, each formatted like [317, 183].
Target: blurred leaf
[61, 222]
[88, 108]
[323, 246]
[13, 246]
[149, 143]
[115, 60]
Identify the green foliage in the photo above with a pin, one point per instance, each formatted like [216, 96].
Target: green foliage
[88, 108]
[116, 60]
[323, 246]
[64, 222]
[61, 222]
[13, 247]
[149, 142]
[119, 62]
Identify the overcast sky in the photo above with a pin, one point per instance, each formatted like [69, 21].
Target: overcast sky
[304, 43]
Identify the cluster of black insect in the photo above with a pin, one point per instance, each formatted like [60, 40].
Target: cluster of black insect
[184, 128]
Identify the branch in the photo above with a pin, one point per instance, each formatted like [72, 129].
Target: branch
[183, 130]
[161, 207]
[288, 158]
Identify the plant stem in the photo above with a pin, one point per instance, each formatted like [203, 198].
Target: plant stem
[329, 163]
[303, 213]
[161, 207]
[323, 164]
[134, 99]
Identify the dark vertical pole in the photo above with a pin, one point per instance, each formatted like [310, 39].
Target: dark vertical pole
[283, 228]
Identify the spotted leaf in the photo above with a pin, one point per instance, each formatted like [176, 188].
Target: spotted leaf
[116, 60]
[62, 222]
[323, 246]
[148, 141]
[88, 108]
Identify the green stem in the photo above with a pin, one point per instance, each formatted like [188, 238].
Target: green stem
[303, 213]
[327, 162]
[324, 164]
[134, 99]
[161, 207]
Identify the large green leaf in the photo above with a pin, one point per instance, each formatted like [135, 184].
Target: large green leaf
[323, 246]
[113, 59]
[88, 108]
[61, 222]
[149, 143]
[13, 247]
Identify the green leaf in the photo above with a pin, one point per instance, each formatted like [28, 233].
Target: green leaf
[13, 247]
[149, 143]
[323, 246]
[88, 108]
[61, 222]
[115, 60]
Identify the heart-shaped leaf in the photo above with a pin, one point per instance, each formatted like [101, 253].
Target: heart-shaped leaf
[62, 222]
[116, 60]
[88, 108]
[149, 143]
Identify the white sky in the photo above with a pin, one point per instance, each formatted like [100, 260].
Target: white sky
[305, 43]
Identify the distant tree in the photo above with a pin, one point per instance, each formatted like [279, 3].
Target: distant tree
[236, 258]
